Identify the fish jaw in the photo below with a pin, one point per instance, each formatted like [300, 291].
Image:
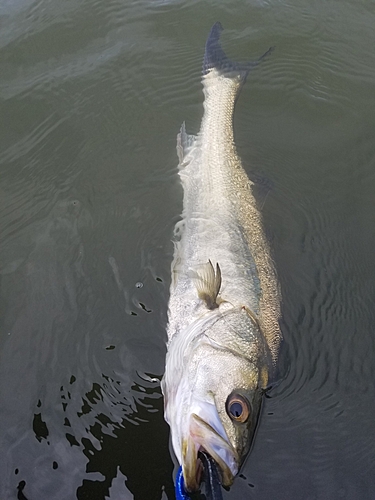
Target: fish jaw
[203, 437]
[196, 426]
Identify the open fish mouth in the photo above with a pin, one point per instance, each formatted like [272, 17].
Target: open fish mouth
[203, 438]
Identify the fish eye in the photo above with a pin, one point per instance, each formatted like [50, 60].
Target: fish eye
[238, 408]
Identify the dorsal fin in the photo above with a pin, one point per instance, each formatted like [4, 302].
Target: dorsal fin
[184, 144]
[208, 283]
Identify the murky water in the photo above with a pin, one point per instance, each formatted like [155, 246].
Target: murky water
[92, 97]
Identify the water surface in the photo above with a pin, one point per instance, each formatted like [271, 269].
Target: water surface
[92, 97]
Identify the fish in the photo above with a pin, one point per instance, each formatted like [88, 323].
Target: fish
[224, 305]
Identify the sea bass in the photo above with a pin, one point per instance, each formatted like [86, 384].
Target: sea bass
[224, 306]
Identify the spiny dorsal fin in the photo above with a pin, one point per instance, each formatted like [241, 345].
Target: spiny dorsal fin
[208, 283]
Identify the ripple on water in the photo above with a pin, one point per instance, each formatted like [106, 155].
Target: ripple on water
[55, 359]
[76, 365]
[326, 318]
[32, 181]
[126, 55]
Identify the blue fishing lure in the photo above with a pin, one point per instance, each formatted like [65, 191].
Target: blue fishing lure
[181, 493]
[212, 481]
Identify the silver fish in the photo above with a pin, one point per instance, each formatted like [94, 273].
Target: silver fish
[224, 307]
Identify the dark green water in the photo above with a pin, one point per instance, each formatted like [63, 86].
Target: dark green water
[92, 96]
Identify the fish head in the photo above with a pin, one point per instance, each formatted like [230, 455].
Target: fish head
[214, 403]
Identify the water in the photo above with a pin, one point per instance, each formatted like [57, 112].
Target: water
[92, 97]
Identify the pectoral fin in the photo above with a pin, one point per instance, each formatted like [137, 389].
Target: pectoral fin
[208, 283]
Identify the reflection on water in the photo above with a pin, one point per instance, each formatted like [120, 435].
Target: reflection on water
[53, 416]
[93, 95]
[42, 309]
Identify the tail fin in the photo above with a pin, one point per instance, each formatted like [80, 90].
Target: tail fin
[215, 57]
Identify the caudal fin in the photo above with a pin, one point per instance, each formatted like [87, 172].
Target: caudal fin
[215, 57]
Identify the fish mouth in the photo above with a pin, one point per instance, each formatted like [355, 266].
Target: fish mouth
[204, 438]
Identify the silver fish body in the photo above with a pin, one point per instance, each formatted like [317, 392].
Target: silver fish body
[223, 332]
